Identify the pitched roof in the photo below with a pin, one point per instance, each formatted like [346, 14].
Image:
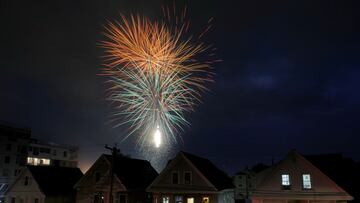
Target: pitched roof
[135, 174]
[54, 180]
[216, 176]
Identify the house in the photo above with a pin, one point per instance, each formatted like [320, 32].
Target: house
[131, 177]
[44, 184]
[295, 180]
[191, 179]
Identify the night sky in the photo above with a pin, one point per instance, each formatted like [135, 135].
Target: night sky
[289, 77]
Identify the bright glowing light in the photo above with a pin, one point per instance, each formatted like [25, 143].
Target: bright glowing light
[157, 137]
[154, 75]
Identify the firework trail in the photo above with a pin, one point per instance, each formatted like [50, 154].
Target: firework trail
[154, 75]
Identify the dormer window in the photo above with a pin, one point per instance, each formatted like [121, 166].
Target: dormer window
[306, 181]
[285, 181]
[175, 177]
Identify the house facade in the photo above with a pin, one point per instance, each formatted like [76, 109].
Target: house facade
[191, 179]
[44, 184]
[295, 180]
[130, 179]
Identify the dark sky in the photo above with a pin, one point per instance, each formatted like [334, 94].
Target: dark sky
[289, 77]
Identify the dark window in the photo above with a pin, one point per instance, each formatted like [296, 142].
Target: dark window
[35, 151]
[187, 177]
[26, 182]
[36, 200]
[15, 172]
[122, 198]
[97, 176]
[24, 149]
[65, 153]
[8, 147]
[7, 159]
[13, 200]
[5, 172]
[175, 178]
[30, 148]
[45, 150]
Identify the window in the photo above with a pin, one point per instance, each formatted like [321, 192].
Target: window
[7, 159]
[187, 177]
[5, 172]
[36, 200]
[37, 161]
[26, 182]
[65, 153]
[306, 181]
[285, 181]
[190, 200]
[97, 176]
[54, 152]
[35, 151]
[205, 200]
[122, 198]
[178, 199]
[13, 200]
[166, 200]
[175, 177]
[8, 147]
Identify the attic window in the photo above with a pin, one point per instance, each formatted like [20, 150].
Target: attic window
[187, 177]
[285, 181]
[306, 181]
[175, 177]
[26, 182]
[97, 176]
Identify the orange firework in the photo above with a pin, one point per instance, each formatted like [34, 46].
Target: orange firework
[154, 73]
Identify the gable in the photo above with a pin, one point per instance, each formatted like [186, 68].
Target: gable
[19, 186]
[96, 177]
[295, 166]
[180, 165]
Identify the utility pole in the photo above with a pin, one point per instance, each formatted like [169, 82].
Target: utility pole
[114, 150]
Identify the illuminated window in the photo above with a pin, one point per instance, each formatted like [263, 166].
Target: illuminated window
[37, 161]
[187, 177]
[175, 177]
[190, 200]
[285, 179]
[178, 199]
[306, 181]
[205, 200]
[166, 200]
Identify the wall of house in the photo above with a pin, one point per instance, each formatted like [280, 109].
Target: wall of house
[25, 193]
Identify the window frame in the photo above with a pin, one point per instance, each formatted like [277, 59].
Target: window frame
[309, 181]
[172, 177]
[190, 181]
[285, 184]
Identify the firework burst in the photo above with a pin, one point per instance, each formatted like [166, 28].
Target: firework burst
[154, 76]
